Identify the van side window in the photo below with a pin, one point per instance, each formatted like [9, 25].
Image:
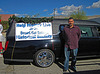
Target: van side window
[61, 28]
[86, 32]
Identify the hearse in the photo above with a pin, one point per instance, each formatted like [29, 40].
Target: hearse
[45, 52]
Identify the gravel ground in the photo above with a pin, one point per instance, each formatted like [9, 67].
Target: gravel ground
[90, 66]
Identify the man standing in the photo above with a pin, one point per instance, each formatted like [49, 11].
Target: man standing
[71, 35]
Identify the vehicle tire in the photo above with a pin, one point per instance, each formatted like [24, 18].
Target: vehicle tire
[44, 58]
[6, 62]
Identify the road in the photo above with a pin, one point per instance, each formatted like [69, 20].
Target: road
[89, 66]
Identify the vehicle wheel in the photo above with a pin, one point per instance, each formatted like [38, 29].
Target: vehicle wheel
[6, 62]
[44, 58]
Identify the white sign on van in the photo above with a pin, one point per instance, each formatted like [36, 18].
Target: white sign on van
[40, 31]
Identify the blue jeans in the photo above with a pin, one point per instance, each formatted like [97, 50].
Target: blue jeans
[67, 54]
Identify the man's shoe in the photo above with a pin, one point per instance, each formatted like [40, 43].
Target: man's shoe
[73, 69]
[65, 71]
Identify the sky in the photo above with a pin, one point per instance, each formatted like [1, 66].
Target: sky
[45, 8]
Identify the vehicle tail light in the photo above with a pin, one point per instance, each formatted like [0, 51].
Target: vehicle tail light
[6, 45]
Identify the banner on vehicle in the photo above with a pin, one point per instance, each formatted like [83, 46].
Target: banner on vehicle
[40, 31]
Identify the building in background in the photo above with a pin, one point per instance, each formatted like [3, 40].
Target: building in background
[95, 19]
[5, 17]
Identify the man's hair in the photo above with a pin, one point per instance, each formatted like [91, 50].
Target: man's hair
[70, 18]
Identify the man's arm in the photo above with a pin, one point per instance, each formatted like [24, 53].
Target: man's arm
[79, 33]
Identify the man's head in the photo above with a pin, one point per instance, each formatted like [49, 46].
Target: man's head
[71, 21]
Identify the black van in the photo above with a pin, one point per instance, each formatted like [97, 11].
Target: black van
[44, 52]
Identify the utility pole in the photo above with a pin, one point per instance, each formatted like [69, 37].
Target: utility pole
[54, 12]
[78, 14]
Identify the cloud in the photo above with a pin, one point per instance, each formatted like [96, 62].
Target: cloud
[45, 10]
[67, 10]
[56, 13]
[1, 10]
[88, 7]
[95, 5]
[21, 15]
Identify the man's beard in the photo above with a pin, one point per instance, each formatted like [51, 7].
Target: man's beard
[69, 25]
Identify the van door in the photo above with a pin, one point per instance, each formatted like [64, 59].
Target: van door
[89, 43]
